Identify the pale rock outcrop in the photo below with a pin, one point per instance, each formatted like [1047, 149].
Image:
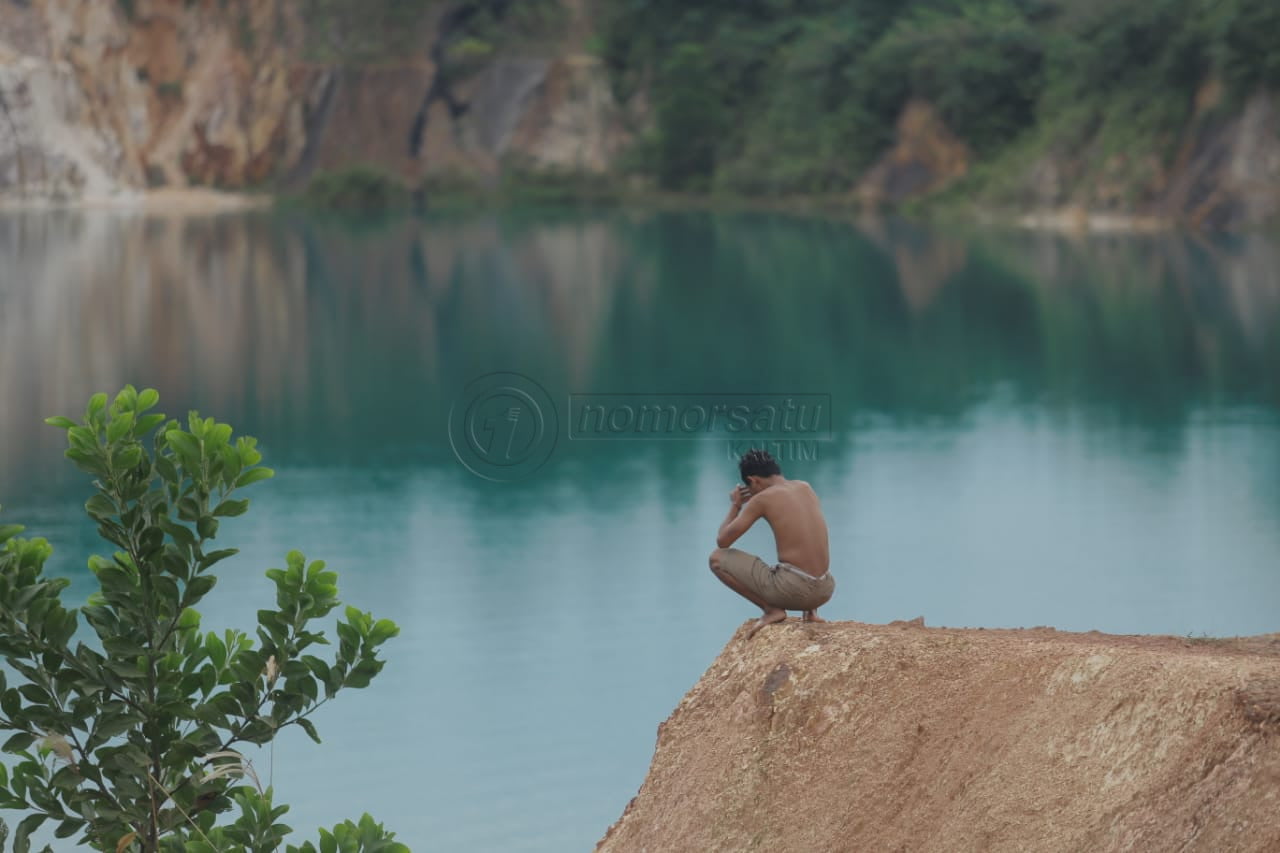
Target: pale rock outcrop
[97, 102]
[925, 156]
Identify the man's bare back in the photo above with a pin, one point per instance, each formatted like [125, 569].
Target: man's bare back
[794, 513]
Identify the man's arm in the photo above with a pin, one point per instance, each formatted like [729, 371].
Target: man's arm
[740, 518]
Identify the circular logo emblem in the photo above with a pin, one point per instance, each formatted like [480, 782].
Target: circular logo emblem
[503, 427]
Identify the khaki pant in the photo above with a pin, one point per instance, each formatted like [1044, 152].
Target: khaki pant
[784, 586]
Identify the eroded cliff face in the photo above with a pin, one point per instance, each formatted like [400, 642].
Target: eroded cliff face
[105, 99]
[1225, 173]
[852, 737]
[925, 156]
[102, 99]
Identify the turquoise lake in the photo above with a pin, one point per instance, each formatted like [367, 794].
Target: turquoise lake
[1024, 429]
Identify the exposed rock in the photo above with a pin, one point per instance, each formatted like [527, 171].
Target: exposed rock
[925, 156]
[850, 737]
[1229, 175]
[94, 103]
[573, 123]
[1225, 174]
[49, 146]
[97, 102]
[368, 118]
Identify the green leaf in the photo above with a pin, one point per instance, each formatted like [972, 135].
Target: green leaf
[187, 447]
[61, 422]
[363, 673]
[248, 452]
[18, 742]
[208, 679]
[35, 694]
[189, 619]
[218, 435]
[230, 464]
[88, 461]
[348, 640]
[128, 458]
[164, 465]
[180, 533]
[11, 703]
[216, 649]
[100, 507]
[188, 509]
[231, 508]
[383, 630]
[310, 728]
[120, 426]
[207, 527]
[146, 423]
[198, 587]
[97, 403]
[116, 724]
[82, 437]
[68, 828]
[217, 556]
[127, 398]
[8, 531]
[29, 824]
[254, 475]
[148, 398]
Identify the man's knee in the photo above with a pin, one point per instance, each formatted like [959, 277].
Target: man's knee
[714, 561]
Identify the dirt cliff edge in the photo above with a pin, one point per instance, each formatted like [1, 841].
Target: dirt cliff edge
[855, 737]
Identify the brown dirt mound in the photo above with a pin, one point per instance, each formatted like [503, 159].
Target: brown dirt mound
[854, 737]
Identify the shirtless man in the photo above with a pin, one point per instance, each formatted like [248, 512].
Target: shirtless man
[800, 580]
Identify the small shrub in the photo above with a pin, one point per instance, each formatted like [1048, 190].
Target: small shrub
[357, 189]
[126, 718]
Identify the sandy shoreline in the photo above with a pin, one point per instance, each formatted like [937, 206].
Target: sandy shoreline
[191, 200]
[200, 200]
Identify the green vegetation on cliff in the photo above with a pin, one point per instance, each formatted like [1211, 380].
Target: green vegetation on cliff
[800, 96]
[455, 33]
[361, 188]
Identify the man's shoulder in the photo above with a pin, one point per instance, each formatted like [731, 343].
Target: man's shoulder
[791, 487]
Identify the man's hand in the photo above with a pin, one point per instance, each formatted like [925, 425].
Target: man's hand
[738, 519]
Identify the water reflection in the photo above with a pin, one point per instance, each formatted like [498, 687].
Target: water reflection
[294, 325]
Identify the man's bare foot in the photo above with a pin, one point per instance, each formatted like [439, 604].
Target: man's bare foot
[812, 616]
[770, 616]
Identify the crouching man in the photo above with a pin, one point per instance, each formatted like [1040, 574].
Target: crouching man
[801, 579]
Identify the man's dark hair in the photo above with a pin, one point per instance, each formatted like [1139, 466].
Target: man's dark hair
[757, 463]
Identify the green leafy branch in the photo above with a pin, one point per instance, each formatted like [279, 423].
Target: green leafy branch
[127, 738]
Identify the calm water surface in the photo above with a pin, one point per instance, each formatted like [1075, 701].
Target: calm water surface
[1026, 430]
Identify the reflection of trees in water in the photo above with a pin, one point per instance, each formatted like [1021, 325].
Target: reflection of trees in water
[316, 330]
[205, 310]
[899, 321]
[1160, 320]
[328, 333]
